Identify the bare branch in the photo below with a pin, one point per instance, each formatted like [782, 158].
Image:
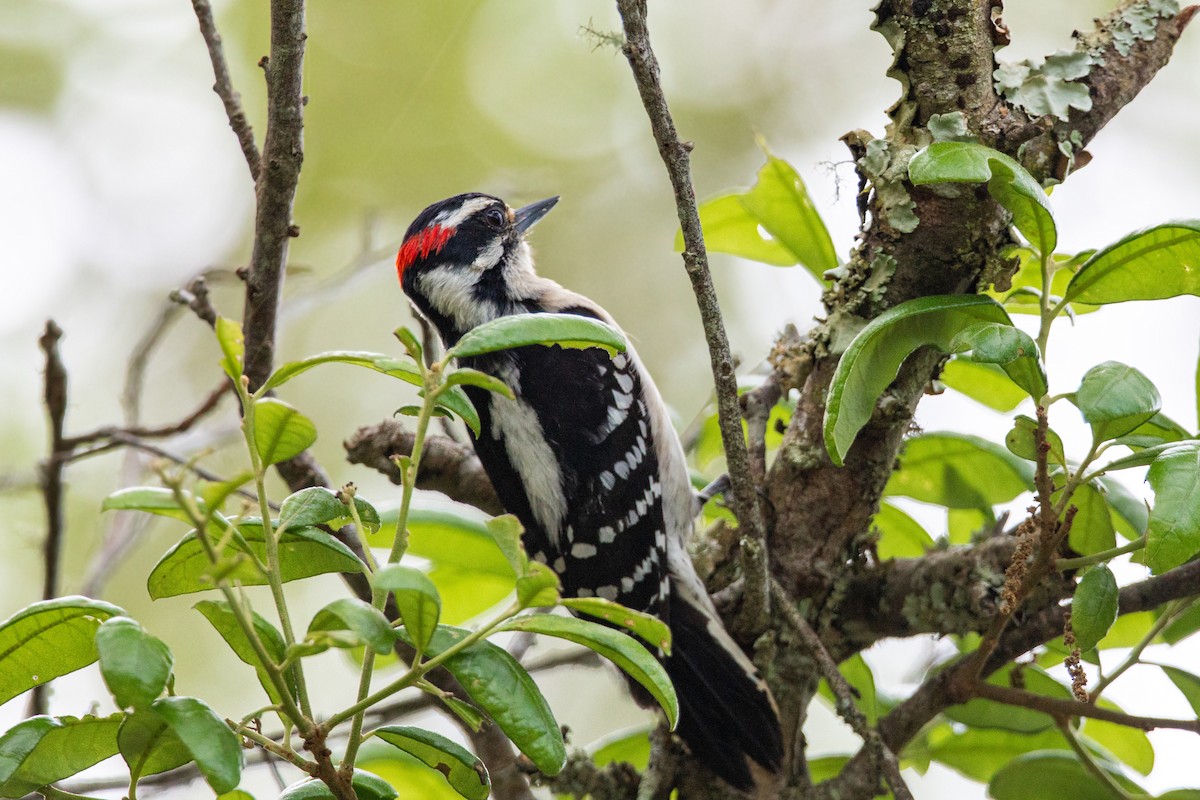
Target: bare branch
[846, 706]
[54, 395]
[695, 259]
[224, 87]
[1066, 709]
[446, 466]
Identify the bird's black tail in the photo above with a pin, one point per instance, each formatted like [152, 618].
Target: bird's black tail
[726, 713]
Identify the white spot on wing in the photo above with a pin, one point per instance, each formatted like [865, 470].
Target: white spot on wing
[607, 592]
[606, 535]
[583, 550]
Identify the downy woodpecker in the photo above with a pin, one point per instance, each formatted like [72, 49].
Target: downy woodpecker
[586, 458]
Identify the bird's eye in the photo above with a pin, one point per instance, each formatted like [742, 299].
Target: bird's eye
[494, 218]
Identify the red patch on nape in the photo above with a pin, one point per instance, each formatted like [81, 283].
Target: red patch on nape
[422, 244]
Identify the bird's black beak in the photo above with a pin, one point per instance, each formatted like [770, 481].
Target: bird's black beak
[527, 216]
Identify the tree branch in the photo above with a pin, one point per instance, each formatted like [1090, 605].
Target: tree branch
[54, 395]
[1065, 709]
[846, 706]
[446, 466]
[695, 258]
[224, 87]
[283, 153]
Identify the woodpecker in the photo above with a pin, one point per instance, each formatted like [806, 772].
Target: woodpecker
[587, 459]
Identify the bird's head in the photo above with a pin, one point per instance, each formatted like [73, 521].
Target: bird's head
[465, 261]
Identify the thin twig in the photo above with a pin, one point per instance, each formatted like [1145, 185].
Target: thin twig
[224, 87]
[847, 708]
[1064, 709]
[695, 258]
[55, 398]
[206, 406]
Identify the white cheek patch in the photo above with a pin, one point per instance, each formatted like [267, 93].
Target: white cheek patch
[451, 291]
[452, 219]
[489, 257]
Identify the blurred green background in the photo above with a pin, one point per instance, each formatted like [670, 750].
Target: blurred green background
[119, 180]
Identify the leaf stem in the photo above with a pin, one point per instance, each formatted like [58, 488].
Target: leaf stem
[274, 569]
[1064, 564]
[1089, 763]
[418, 671]
[244, 621]
[1135, 655]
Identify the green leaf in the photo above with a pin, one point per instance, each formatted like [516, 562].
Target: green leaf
[624, 651]
[858, 674]
[1006, 346]
[1022, 441]
[823, 769]
[214, 495]
[1159, 429]
[416, 597]
[900, 536]
[521, 330]
[151, 499]
[631, 746]
[42, 750]
[455, 400]
[501, 687]
[980, 713]
[469, 571]
[357, 358]
[1174, 530]
[221, 617]
[233, 347]
[366, 786]
[1025, 291]
[1183, 624]
[1158, 262]
[465, 376]
[1129, 745]
[1187, 683]
[1007, 182]
[216, 749]
[135, 665]
[461, 768]
[303, 553]
[467, 713]
[280, 431]
[149, 746]
[875, 356]
[49, 639]
[539, 588]
[965, 525]
[1116, 399]
[774, 222]
[1094, 607]
[1053, 776]
[979, 753]
[648, 628]
[506, 532]
[317, 505]
[959, 471]
[1092, 530]
[729, 227]
[1130, 516]
[779, 201]
[359, 624]
[983, 383]
[1141, 458]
